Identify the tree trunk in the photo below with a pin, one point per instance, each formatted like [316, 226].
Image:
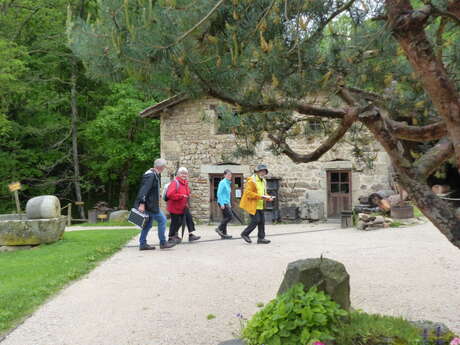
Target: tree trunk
[441, 213]
[409, 30]
[124, 188]
[74, 114]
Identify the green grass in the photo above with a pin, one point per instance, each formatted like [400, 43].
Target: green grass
[105, 224]
[417, 212]
[210, 316]
[375, 329]
[29, 277]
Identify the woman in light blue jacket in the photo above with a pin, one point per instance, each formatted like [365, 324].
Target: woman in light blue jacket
[224, 192]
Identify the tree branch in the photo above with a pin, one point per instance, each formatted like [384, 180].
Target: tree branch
[414, 133]
[305, 109]
[349, 118]
[434, 157]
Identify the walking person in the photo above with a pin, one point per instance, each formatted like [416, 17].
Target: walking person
[224, 191]
[253, 202]
[178, 196]
[148, 201]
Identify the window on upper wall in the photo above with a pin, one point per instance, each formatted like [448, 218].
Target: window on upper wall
[226, 119]
[315, 125]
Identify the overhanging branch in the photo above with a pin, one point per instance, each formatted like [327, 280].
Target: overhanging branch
[434, 157]
[415, 133]
[349, 118]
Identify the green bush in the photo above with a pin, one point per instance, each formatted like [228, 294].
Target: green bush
[294, 318]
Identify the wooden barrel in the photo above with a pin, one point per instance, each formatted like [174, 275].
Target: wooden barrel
[43, 207]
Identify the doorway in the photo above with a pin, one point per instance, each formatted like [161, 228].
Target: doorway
[339, 189]
[237, 193]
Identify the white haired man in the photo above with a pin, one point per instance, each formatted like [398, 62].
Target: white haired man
[148, 201]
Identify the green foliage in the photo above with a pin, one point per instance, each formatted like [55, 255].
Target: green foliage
[29, 277]
[367, 329]
[396, 224]
[295, 317]
[210, 316]
[118, 140]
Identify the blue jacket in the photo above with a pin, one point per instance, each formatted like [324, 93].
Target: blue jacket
[223, 192]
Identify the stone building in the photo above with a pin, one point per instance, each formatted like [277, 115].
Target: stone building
[190, 137]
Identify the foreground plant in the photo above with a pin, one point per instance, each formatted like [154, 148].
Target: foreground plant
[295, 317]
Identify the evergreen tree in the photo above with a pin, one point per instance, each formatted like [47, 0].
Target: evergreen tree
[391, 67]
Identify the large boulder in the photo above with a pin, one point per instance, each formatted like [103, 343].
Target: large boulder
[16, 230]
[119, 216]
[43, 207]
[327, 275]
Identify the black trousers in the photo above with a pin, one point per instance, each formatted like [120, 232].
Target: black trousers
[227, 218]
[257, 221]
[178, 219]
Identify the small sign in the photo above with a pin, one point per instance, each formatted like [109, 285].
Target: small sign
[237, 193]
[102, 216]
[14, 186]
[79, 203]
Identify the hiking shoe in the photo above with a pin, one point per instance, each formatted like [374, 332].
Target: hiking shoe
[246, 238]
[263, 241]
[193, 237]
[146, 247]
[220, 233]
[167, 245]
[175, 239]
[226, 237]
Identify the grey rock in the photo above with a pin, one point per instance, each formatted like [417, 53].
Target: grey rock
[15, 230]
[431, 326]
[327, 275]
[43, 207]
[119, 216]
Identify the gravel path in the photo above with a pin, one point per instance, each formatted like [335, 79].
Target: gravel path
[164, 297]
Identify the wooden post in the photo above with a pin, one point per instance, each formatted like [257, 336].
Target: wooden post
[69, 214]
[16, 198]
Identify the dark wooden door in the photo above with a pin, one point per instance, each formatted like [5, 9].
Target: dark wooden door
[237, 193]
[338, 192]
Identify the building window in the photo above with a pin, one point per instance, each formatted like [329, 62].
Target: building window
[315, 125]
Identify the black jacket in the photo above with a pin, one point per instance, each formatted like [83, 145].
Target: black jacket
[149, 192]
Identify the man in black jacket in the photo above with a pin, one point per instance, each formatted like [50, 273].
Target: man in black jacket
[148, 201]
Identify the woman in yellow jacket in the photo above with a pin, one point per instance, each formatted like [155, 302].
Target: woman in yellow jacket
[254, 197]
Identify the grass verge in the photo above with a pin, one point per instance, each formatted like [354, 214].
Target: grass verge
[105, 224]
[29, 277]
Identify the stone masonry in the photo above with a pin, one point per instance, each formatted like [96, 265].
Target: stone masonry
[189, 138]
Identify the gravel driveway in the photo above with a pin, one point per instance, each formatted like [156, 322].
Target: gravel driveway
[164, 297]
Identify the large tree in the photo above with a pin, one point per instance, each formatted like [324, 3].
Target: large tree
[392, 67]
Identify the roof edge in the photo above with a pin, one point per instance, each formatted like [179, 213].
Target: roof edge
[154, 111]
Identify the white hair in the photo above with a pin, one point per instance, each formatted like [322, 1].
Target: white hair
[182, 170]
[160, 162]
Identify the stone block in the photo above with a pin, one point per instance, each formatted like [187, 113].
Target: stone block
[312, 210]
[327, 275]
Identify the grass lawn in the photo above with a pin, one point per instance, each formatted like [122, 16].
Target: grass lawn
[105, 224]
[29, 277]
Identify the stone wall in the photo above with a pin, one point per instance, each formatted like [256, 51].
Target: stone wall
[189, 138]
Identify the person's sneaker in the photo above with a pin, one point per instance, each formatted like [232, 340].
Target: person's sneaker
[226, 237]
[146, 247]
[193, 237]
[220, 233]
[263, 241]
[167, 245]
[246, 238]
[175, 239]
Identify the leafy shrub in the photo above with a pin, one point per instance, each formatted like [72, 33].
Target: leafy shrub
[294, 318]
